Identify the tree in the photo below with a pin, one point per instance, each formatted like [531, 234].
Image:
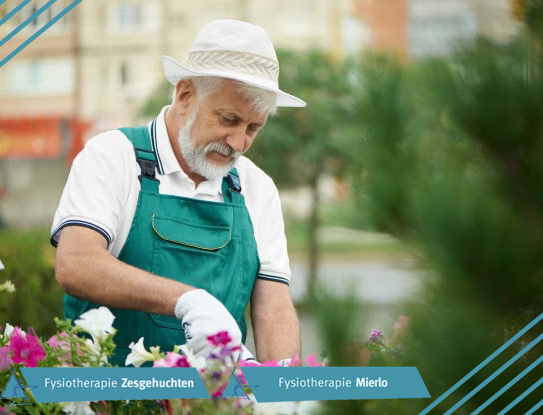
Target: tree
[448, 155]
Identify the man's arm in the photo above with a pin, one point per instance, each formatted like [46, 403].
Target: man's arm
[85, 269]
[275, 324]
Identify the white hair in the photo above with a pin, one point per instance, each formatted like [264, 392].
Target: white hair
[261, 100]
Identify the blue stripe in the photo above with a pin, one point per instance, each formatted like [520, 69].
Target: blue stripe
[496, 373]
[502, 390]
[79, 223]
[483, 364]
[26, 22]
[39, 32]
[521, 397]
[535, 408]
[2, 2]
[273, 278]
[11, 13]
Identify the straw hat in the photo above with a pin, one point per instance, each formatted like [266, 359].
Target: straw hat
[234, 50]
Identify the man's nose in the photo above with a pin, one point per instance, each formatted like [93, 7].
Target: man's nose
[236, 139]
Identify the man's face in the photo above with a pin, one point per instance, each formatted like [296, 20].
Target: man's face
[218, 132]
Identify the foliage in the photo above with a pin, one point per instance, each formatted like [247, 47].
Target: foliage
[298, 142]
[161, 96]
[28, 258]
[447, 154]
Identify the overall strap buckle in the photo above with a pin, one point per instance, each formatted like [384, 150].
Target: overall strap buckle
[234, 184]
[148, 166]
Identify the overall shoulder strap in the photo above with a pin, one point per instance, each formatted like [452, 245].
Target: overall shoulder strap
[145, 156]
[231, 188]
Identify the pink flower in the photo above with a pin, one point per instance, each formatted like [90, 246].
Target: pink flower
[248, 363]
[172, 360]
[60, 341]
[270, 363]
[27, 350]
[218, 393]
[376, 336]
[222, 338]
[295, 361]
[311, 360]
[5, 358]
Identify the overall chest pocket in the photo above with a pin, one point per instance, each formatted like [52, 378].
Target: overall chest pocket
[191, 253]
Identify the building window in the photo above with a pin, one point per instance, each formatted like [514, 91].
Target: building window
[49, 76]
[46, 16]
[127, 17]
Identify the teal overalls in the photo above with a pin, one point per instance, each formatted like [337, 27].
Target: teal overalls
[204, 244]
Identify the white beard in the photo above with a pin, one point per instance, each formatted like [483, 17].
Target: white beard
[196, 157]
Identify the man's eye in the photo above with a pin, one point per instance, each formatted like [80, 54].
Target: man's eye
[228, 121]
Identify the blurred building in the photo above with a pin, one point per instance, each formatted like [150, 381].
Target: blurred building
[92, 70]
[417, 28]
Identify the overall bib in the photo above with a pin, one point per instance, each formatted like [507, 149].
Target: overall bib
[204, 244]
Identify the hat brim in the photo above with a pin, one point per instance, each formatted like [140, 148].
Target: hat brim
[174, 72]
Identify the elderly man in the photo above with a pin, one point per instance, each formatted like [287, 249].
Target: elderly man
[170, 226]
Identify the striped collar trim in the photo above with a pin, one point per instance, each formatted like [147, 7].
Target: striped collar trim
[160, 143]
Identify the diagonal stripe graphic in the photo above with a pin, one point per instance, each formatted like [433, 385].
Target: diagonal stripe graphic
[496, 373]
[12, 13]
[521, 397]
[2, 2]
[39, 32]
[26, 22]
[483, 364]
[535, 408]
[502, 390]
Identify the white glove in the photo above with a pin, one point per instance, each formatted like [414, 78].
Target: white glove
[285, 362]
[246, 355]
[202, 315]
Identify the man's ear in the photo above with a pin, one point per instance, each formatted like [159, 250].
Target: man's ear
[185, 94]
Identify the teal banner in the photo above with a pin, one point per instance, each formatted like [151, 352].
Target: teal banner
[103, 384]
[282, 384]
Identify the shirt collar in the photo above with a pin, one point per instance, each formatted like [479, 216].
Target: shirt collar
[167, 162]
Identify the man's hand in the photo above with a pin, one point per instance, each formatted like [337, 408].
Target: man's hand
[202, 315]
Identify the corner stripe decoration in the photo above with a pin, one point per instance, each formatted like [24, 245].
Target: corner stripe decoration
[27, 21]
[496, 373]
[12, 13]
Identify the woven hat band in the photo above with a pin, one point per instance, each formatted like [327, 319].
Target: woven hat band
[241, 62]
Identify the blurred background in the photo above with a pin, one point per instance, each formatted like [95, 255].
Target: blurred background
[410, 185]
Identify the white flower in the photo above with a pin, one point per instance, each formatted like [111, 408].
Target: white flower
[7, 287]
[97, 322]
[197, 362]
[138, 355]
[1, 266]
[77, 408]
[9, 329]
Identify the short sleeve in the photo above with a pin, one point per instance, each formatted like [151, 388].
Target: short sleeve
[272, 242]
[97, 187]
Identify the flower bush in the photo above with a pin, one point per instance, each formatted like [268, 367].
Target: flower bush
[89, 343]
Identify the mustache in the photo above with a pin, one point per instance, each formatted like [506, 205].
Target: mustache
[223, 149]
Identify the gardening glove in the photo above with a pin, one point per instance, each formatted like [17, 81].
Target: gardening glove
[247, 355]
[202, 315]
[284, 362]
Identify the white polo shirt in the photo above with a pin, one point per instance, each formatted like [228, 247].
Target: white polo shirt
[103, 187]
